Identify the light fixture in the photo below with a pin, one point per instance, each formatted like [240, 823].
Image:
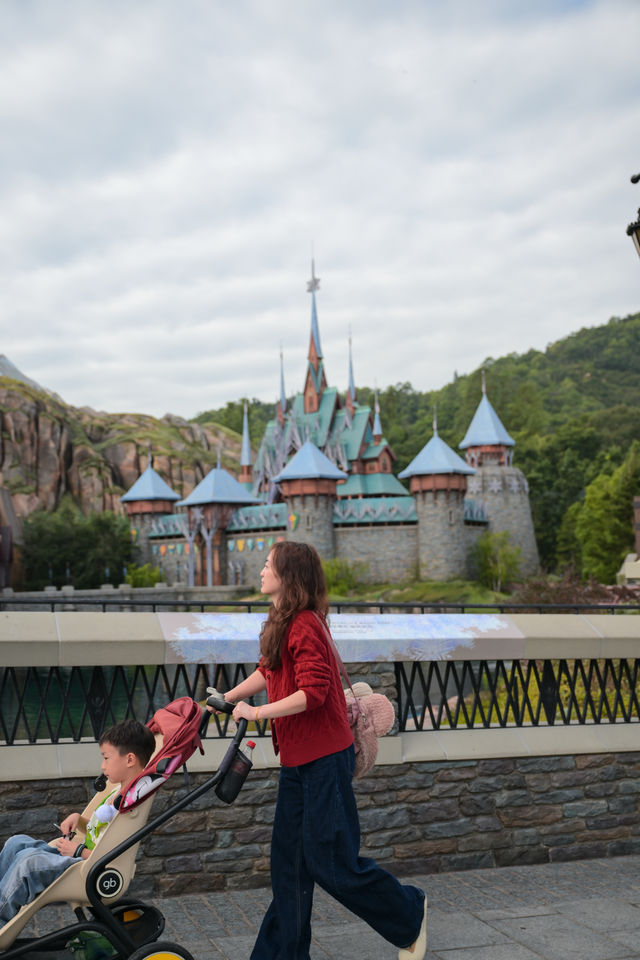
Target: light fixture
[633, 230]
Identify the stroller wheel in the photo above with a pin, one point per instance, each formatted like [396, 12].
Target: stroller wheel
[161, 950]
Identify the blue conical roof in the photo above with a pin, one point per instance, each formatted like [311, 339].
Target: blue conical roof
[218, 487]
[310, 463]
[486, 428]
[434, 458]
[149, 486]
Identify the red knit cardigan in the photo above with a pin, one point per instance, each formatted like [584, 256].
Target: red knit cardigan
[308, 664]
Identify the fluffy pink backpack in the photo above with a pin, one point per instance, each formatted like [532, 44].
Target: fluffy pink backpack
[371, 715]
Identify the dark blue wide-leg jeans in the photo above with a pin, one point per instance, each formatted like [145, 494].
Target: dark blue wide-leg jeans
[316, 839]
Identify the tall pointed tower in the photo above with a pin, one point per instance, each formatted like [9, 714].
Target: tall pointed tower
[438, 481]
[246, 465]
[316, 382]
[351, 398]
[502, 487]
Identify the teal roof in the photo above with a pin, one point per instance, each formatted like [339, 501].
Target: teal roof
[149, 486]
[486, 428]
[310, 463]
[435, 458]
[265, 517]
[375, 510]
[372, 485]
[373, 451]
[218, 487]
[169, 525]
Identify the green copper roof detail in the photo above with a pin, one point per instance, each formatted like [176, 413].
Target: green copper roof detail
[372, 485]
[268, 516]
[375, 510]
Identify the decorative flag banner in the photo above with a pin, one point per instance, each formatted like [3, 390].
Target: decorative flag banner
[292, 520]
[270, 542]
[250, 544]
[240, 545]
[260, 544]
[231, 546]
[187, 548]
[163, 549]
[154, 549]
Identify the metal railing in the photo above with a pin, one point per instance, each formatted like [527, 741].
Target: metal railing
[58, 704]
[104, 604]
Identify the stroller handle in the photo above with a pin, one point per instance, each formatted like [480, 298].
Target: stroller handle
[217, 702]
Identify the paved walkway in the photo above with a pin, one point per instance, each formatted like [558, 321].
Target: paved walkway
[588, 910]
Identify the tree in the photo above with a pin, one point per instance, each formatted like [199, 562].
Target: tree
[66, 547]
[497, 559]
[604, 523]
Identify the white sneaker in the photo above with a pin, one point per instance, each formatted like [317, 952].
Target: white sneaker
[419, 948]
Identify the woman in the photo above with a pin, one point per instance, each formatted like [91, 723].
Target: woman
[316, 832]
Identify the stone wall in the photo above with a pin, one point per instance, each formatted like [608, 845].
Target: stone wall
[389, 554]
[415, 817]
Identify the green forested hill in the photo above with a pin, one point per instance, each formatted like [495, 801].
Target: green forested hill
[573, 410]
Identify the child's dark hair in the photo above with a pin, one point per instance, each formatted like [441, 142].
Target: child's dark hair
[131, 736]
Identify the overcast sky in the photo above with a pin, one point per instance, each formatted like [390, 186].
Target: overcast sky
[460, 170]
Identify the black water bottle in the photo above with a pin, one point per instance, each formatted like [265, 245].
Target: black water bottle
[229, 787]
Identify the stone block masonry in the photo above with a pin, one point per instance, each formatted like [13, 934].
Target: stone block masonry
[422, 817]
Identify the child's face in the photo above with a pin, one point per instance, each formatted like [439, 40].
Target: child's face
[117, 767]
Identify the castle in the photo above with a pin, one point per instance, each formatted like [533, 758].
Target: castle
[323, 474]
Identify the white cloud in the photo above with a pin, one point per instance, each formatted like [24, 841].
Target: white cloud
[461, 169]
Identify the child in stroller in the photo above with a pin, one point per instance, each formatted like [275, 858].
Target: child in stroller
[28, 866]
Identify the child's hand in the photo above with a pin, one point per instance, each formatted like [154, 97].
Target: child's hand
[69, 824]
[66, 848]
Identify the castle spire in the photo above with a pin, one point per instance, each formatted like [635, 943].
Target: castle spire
[435, 420]
[281, 406]
[351, 390]
[316, 380]
[246, 466]
[377, 425]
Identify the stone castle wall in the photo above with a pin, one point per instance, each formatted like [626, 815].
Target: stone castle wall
[423, 817]
[442, 547]
[387, 554]
[505, 492]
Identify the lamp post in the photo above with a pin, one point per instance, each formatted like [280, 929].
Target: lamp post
[633, 230]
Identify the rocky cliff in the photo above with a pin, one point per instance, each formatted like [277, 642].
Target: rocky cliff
[49, 449]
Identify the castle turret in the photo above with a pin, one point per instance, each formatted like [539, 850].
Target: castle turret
[210, 507]
[148, 498]
[308, 485]
[502, 487]
[438, 481]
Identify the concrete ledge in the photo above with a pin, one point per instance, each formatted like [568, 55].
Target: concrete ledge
[55, 761]
[87, 639]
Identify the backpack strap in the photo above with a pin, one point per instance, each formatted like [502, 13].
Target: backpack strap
[332, 646]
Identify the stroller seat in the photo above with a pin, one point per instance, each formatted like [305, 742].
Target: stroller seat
[70, 887]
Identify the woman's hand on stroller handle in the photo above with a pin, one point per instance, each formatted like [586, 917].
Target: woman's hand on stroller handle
[216, 702]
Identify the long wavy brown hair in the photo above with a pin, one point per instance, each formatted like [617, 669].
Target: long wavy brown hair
[298, 567]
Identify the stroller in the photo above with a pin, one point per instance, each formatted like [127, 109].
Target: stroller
[109, 926]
